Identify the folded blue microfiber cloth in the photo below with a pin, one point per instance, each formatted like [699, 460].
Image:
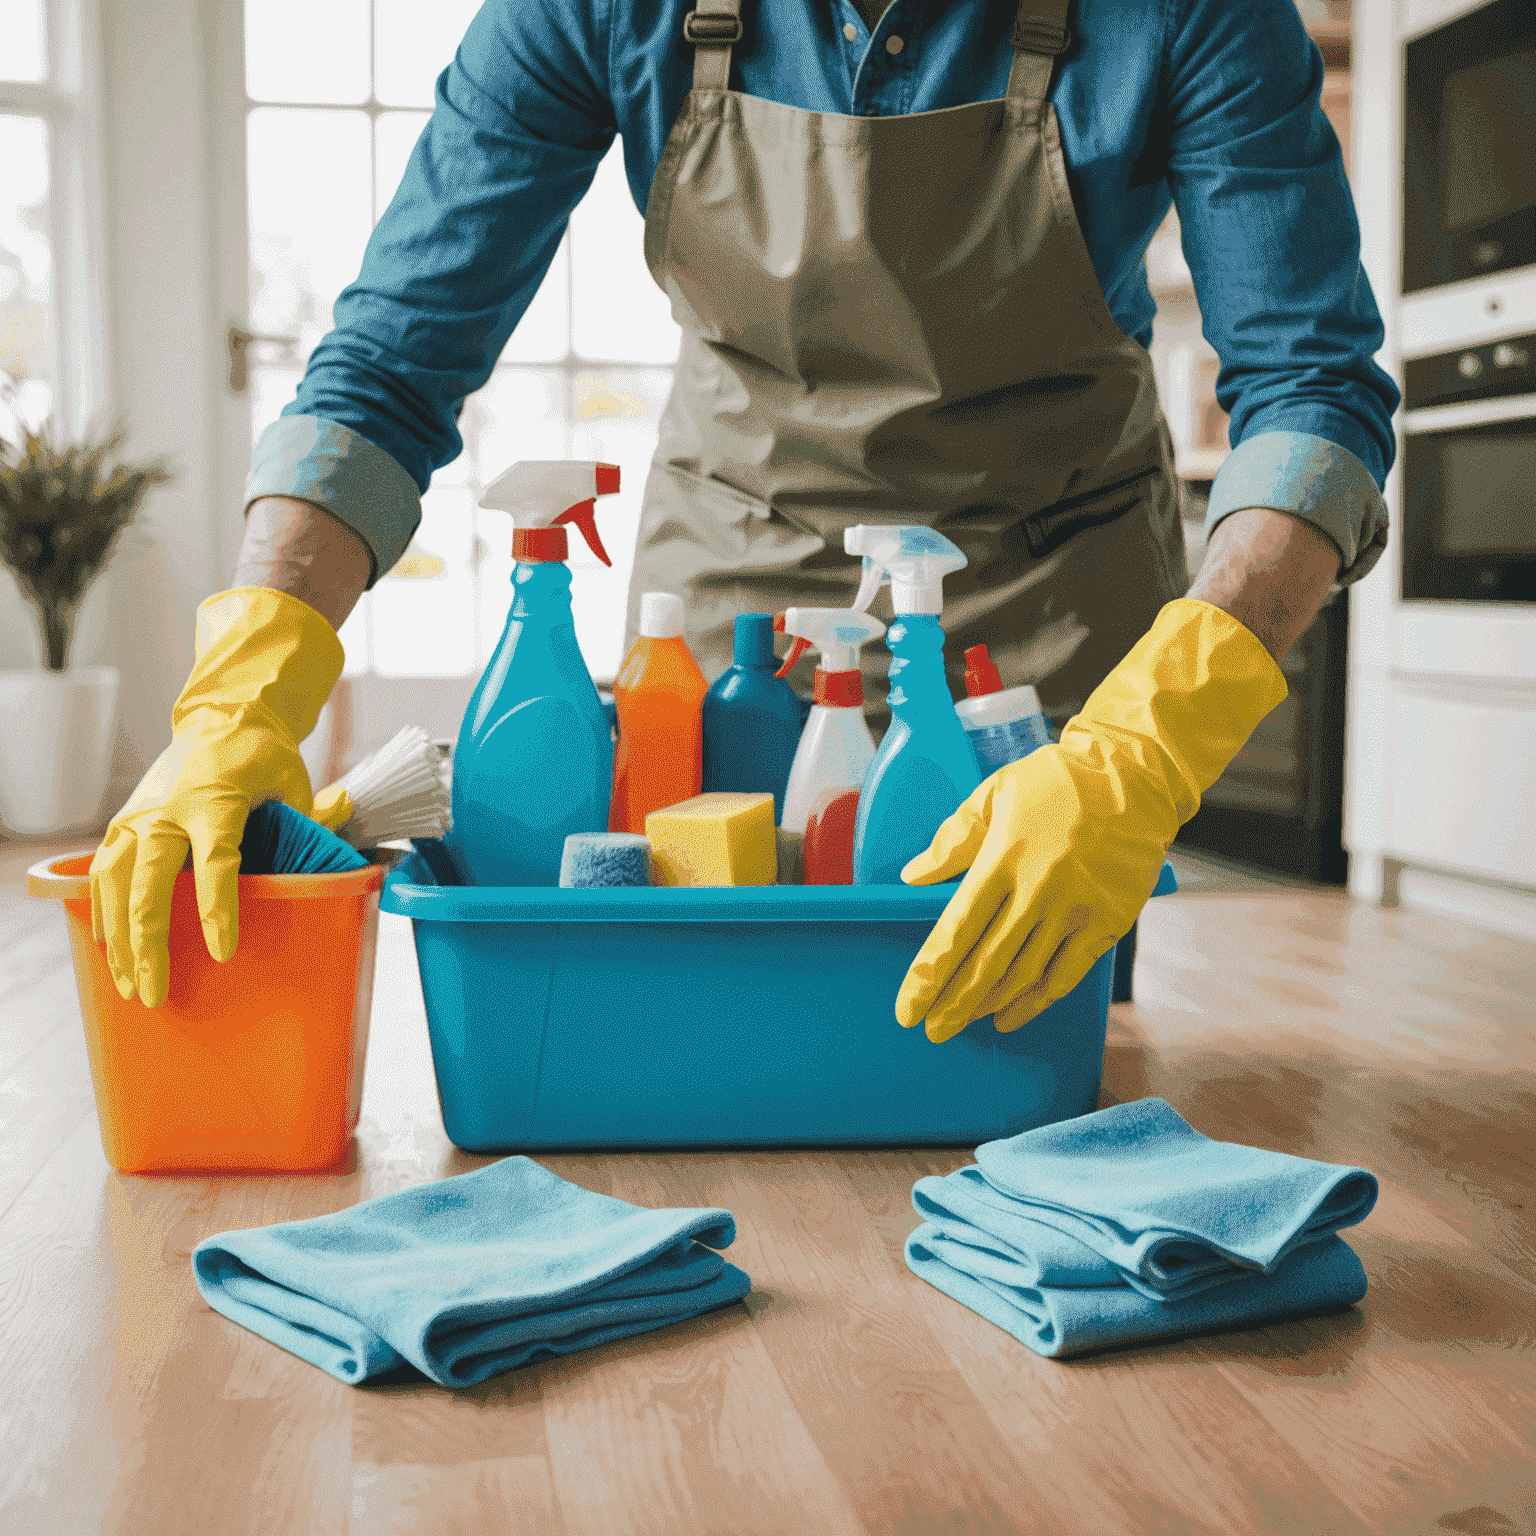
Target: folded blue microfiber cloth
[279, 840]
[469, 1276]
[1128, 1224]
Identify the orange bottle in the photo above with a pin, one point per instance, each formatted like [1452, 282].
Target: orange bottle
[659, 696]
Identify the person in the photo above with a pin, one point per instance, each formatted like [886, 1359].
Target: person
[906, 251]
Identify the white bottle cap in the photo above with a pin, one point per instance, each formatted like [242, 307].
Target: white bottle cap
[661, 615]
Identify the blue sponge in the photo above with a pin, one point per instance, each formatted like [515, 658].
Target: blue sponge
[279, 841]
[605, 858]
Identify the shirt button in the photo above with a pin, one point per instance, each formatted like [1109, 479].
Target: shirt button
[894, 45]
[850, 31]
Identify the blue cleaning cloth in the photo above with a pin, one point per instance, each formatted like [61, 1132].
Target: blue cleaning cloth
[279, 840]
[591, 859]
[470, 1276]
[1128, 1224]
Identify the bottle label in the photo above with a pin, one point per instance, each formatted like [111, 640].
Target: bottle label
[999, 744]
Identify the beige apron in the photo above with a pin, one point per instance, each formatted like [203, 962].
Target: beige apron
[895, 320]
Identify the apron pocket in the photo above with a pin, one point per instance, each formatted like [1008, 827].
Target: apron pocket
[725, 502]
[1049, 530]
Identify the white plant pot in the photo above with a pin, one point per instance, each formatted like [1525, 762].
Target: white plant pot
[55, 748]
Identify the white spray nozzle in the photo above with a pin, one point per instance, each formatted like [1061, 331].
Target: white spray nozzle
[544, 493]
[915, 560]
[836, 633]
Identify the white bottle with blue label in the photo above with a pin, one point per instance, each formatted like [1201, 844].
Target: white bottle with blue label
[1003, 724]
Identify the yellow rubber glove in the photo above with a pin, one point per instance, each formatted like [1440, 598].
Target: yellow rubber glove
[1064, 846]
[266, 662]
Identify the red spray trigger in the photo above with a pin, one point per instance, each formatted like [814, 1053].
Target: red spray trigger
[796, 651]
[981, 674]
[583, 515]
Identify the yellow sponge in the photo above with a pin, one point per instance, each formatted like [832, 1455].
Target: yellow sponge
[719, 839]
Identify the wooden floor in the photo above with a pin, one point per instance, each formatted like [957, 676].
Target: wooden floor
[844, 1395]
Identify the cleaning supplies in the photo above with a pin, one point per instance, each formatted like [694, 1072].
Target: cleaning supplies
[659, 693]
[752, 718]
[1004, 724]
[279, 840]
[534, 760]
[601, 859]
[717, 839]
[925, 766]
[399, 791]
[1128, 1224]
[469, 1276]
[836, 747]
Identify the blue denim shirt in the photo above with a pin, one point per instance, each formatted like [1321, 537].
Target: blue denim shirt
[1210, 104]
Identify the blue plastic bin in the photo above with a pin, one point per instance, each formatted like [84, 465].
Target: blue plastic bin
[745, 1017]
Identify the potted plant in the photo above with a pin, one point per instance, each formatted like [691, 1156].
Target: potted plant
[62, 507]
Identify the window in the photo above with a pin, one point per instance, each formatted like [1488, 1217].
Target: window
[584, 376]
[46, 331]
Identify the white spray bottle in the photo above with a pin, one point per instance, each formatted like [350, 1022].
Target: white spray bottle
[836, 746]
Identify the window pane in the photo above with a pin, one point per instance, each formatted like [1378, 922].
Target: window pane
[520, 414]
[395, 135]
[618, 313]
[543, 334]
[617, 414]
[271, 389]
[354, 637]
[310, 215]
[21, 30]
[306, 50]
[413, 44]
[423, 618]
[26, 264]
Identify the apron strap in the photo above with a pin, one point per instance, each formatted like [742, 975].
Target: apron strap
[1039, 34]
[712, 27]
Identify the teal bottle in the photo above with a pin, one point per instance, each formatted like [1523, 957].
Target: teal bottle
[534, 760]
[925, 765]
[752, 719]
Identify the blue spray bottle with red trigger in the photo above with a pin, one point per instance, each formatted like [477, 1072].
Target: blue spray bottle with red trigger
[534, 760]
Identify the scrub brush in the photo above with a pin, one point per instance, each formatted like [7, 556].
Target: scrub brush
[278, 840]
[399, 792]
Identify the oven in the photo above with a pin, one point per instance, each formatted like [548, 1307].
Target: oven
[1469, 474]
[1469, 124]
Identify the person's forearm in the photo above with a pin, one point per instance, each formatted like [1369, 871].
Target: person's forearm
[1270, 571]
[297, 548]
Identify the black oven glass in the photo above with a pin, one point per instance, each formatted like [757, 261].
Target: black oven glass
[1469, 177]
[1487, 494]
[1469, 513]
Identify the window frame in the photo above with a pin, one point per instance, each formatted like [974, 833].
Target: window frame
[68, 100]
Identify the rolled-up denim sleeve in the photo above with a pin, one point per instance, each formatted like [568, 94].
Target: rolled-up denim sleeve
[1273, 244]
[521, 120]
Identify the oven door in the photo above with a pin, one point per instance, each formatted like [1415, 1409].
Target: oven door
[1469, 187]
[1469, 502]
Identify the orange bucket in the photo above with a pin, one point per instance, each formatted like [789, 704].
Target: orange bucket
[254, 1064]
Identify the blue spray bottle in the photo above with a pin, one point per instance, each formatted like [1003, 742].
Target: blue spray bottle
[925, 765]
[752, 718]
[534, 760]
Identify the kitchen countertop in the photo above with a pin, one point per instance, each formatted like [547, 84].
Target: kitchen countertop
[843, 1395]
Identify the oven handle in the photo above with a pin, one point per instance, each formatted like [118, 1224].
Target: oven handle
[1476, 413]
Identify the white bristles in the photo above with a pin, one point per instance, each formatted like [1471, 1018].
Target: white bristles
[398, 792]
